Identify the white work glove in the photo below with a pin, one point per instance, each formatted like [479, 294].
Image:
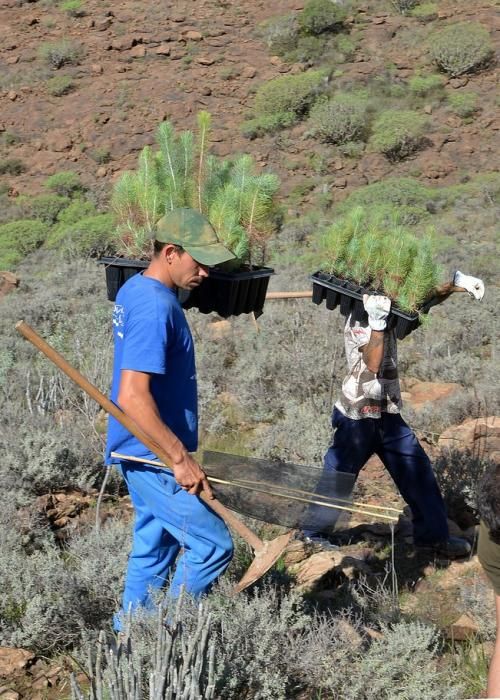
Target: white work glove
[378, 308]
[473, 285]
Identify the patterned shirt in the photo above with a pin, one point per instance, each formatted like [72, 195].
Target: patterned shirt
[364, 393]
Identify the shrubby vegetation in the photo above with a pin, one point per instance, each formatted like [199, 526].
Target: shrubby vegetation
[423, 85]
[306, 35]
[398, 133]
[425, 12]
[65, 183]
[19, 238]
[12, 166]
[461, 48]
[465, 104]
[61, 53]
[282, 101]
[340, 119]
[60, 85]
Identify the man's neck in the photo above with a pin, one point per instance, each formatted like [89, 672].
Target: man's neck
[159, 271]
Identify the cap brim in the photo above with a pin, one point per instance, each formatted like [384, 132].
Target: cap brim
[211, 254]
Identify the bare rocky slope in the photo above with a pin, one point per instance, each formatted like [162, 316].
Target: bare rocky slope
[142, 62]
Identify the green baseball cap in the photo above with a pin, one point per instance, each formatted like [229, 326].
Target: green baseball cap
[194, 232]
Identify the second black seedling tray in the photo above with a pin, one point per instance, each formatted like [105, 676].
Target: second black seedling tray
[348, 296]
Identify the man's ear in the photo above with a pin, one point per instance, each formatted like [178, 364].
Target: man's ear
[168, 252]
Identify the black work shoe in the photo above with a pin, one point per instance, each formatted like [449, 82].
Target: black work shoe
[452, 548]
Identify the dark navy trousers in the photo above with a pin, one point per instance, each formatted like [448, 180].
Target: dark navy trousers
[389, 437]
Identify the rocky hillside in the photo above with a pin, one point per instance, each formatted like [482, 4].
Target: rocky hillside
[83, 86]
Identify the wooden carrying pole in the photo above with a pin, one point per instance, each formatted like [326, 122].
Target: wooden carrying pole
[266, 552]
[289, 295]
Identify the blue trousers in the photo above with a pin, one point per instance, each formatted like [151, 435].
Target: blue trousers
[170, 526]
[389, 437]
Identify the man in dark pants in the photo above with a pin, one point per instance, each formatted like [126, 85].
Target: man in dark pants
[367, 421]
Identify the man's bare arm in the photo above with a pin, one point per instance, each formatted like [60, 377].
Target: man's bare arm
[136, 400]
[373, 351]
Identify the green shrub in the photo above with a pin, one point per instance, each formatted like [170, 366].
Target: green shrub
[10, 138]
[61, 53]
[461, 48]
[45, 207]
[19, 238]
[340, 119]
[352, 149]
[309, 47]
[59, 85]
[411, 198]
[90, 236]
[398, 134]
[320, 16]
[251, 128]
[101, 155]
[283, 100]
[404, 6]
[346, 46]
[465, 104]
[422, 85]
[281, 34]
[77, 209]
[425, 12]
[12, 166]
[73, 8]
[65, 183]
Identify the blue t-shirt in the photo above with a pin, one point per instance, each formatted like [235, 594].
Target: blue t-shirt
[151, 335]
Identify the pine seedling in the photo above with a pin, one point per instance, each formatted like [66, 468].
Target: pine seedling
[366, 269]
[239, 203]
[204, 124]
[400, 250]
[421, 279]
[335, 240]
[137, 204]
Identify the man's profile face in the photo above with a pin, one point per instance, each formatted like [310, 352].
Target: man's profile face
[185, 271]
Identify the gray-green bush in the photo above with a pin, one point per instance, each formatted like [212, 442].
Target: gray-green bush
[61, 53]
[60, 85]
[461, 48]
[465, 104]
[282, 101]
[320, 16]
[398, 133]
[91, 235]
[65, 183]
[46, 207]
[19, 238]
[340, 119]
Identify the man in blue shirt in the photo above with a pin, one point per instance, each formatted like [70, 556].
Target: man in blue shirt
[154, 382]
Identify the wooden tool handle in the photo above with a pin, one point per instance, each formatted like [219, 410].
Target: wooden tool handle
[31, 335]
[289, 295]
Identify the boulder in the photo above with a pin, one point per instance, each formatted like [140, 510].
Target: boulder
[309, 572]
[420, 394]
[480, 435]
[462, 629]
[12, 660]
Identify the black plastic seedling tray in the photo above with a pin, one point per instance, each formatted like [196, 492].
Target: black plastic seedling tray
[348, 296]
[118, 271]
[225, 293]
[230, 293]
